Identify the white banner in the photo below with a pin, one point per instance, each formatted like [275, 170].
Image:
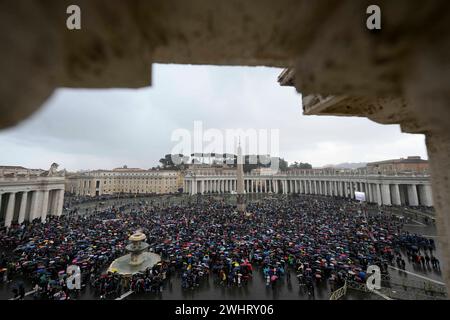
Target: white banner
[360, 196]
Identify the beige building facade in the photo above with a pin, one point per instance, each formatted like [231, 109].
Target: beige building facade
[409, 164]
[124, 180]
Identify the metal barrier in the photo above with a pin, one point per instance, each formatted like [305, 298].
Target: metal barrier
[339, 293]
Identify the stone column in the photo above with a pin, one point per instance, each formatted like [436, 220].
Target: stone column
[10, 209]
[425, 195]
[386, 194]
[23, 207]
[412, 195]
[396, 195]
[60, 202]
[378, 193]
[44, 205]
[369, 191]
[35, 199]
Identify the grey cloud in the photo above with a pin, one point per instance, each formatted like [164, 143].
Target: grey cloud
[107, 128]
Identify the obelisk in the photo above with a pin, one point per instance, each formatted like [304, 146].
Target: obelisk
[240, 181]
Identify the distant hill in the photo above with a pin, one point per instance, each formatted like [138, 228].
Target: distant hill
[346, 165]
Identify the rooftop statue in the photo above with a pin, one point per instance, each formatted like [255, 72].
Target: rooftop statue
[53, 171]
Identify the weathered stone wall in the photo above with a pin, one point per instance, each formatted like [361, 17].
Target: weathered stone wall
[325, 39]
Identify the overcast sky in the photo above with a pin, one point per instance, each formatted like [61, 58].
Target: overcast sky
[92, 129]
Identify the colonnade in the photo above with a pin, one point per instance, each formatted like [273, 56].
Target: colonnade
[385, 190]
[30, 196]
[20, 206]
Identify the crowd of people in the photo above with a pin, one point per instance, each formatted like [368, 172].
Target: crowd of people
[320, 240]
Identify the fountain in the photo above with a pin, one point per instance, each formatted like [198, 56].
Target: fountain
[137, 260]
